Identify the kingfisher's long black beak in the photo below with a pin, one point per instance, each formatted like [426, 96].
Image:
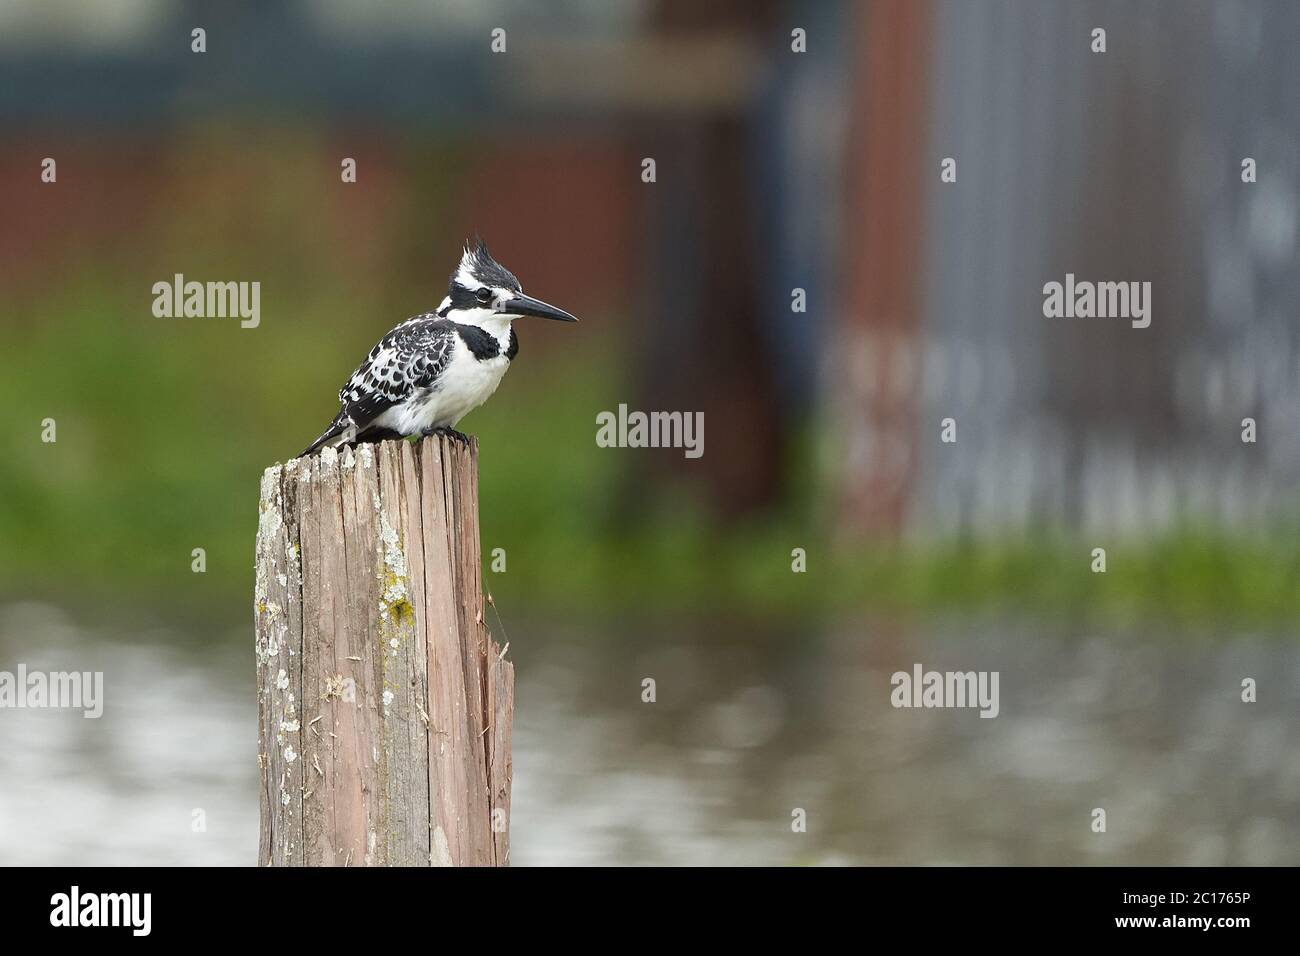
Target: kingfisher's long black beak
[527, 305]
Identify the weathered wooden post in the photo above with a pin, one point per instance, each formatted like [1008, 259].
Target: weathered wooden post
[384, 705]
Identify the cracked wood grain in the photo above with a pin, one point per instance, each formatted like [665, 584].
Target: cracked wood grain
[384, 706]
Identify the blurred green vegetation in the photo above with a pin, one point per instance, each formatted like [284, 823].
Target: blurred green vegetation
[165, 425]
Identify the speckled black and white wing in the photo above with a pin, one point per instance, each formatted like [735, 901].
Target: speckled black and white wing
[402, 366]
[405, 361]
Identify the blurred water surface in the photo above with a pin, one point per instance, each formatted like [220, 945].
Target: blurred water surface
[750, 722]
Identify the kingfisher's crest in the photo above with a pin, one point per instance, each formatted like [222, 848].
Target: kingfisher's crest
[477, 268]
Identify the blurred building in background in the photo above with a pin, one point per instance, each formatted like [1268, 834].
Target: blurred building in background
[776, 171]
[1117, 166]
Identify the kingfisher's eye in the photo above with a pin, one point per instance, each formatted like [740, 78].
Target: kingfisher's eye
[484, 295]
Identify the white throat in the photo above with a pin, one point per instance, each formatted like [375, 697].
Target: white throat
[490, 321]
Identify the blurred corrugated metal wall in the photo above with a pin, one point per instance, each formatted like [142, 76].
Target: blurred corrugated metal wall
[1117, 166]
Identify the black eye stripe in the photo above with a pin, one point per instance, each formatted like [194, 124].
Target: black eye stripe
[461, 297]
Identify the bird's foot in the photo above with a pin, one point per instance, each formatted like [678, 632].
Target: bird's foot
[450, 433]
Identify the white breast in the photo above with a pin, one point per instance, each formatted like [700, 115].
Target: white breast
[465, 384]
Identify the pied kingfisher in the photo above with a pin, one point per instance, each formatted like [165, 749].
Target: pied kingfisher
[425, 375]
